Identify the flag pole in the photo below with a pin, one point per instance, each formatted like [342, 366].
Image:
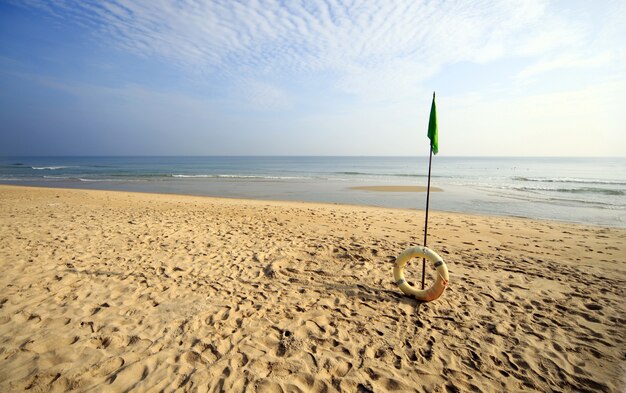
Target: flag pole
[430, 160]
[434, 148]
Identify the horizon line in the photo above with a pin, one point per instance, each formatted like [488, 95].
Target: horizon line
[291, 155]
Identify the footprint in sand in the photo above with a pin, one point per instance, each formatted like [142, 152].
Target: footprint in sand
[107, 366]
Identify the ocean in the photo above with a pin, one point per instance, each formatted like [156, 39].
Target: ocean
[580, 190]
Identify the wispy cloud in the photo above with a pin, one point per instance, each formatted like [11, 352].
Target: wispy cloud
[398, 43]
[378, 51]
[566, 62]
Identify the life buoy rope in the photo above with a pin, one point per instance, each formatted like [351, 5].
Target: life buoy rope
[432, 292]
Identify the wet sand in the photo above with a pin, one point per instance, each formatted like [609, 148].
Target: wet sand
[396, 188]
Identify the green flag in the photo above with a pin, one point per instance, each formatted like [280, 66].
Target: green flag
[432, 128]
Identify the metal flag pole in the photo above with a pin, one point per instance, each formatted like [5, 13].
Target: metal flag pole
[430, 160]
[434, 148]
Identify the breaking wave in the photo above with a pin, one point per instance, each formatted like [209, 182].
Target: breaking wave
[582, 190]
[568, 180]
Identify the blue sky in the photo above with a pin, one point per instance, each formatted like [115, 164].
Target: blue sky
[536, 78]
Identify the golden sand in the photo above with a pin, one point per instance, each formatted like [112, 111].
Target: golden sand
[110, 291]
[396, 188]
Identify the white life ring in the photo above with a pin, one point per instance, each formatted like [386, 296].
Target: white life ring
[435, 290]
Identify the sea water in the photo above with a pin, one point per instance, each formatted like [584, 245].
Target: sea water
[582, 190]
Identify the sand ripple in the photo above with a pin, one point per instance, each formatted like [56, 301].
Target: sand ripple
[106, 291]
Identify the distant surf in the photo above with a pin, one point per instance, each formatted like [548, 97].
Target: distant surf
[583, 190]
[236, 176]
[569, 180]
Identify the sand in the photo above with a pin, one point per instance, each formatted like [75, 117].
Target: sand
[111, 291]
[396, 188]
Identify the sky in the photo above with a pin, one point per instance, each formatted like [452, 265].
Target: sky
[165, 77]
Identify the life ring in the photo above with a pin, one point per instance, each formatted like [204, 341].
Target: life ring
[435, 290]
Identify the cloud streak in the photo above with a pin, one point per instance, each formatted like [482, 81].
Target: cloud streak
[360, 44]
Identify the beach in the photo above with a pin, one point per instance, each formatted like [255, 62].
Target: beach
[117, 291]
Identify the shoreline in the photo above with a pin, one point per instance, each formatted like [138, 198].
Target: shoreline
[110, 290]
[617, 225]
[554, 189]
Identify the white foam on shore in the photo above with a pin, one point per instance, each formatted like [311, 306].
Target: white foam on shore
[567, 180]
